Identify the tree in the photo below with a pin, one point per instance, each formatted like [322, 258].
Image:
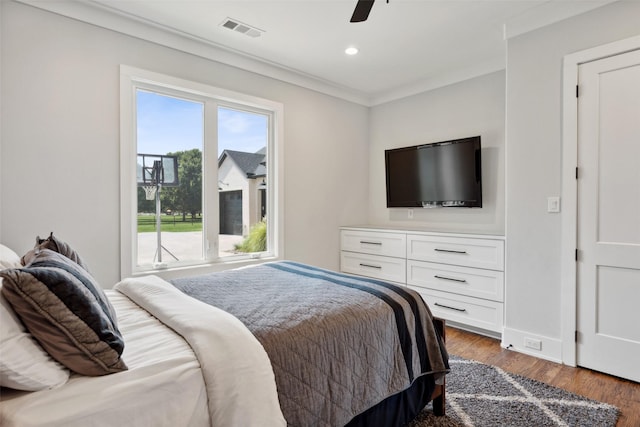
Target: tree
[187, 197]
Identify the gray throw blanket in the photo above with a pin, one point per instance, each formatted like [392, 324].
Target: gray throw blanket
[338, 344]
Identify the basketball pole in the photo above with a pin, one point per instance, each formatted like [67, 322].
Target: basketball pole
[159, 176]
[158, 225]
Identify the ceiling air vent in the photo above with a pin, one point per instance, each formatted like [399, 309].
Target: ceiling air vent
[240, 27]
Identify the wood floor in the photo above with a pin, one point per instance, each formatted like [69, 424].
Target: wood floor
[605, 388]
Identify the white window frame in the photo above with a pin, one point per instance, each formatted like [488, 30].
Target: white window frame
[132, 79]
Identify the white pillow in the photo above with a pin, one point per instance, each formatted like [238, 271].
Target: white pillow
[24, 365]
[8, 258]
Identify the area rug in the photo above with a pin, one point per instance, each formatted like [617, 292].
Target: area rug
[480, 395]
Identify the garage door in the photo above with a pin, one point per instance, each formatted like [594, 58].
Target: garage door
[231, 212]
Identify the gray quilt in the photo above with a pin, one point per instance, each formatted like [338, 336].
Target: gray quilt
[338, 344]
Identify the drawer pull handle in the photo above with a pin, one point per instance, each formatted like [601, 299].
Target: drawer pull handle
[450, 251]
[451, 308]
[450, 278]
[365, 242]
[370, 266]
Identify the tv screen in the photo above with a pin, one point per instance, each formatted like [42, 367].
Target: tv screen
[447, 173]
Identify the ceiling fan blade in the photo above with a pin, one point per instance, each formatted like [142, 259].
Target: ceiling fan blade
[361, 12]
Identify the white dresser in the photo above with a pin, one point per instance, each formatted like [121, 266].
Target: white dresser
[460, 276]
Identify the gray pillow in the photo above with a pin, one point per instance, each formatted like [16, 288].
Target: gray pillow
[56, 245]
[67, 312]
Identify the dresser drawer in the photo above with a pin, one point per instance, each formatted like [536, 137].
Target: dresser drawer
[378, 267]
[374, 242]
[474, 282]
[467, 252]
[470, 311]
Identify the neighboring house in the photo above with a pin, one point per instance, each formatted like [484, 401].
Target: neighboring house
[242, 190]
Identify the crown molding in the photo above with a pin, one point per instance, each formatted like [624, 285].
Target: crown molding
[440, 80]
[549, 13]
[110, 19]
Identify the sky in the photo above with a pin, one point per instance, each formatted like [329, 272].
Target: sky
[167, 124]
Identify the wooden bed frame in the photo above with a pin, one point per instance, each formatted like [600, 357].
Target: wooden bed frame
[438, 395]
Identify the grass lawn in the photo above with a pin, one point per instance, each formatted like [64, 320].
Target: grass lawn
[171, 223]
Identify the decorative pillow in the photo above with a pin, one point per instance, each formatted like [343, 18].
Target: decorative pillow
[55, 245]
[8, 258]
[24, 365]
[67, 312]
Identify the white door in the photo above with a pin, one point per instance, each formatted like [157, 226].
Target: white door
[609, 216]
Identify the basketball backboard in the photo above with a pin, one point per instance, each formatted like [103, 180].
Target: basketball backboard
[165, 172]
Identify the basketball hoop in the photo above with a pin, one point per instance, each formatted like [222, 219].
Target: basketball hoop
[153, 172]
[150, 191]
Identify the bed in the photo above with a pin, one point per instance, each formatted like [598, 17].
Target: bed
[276, 344]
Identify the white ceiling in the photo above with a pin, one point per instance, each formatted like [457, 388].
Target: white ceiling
[405, 45]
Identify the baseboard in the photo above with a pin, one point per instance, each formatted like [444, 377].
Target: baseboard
[480, 331]
[550, 348]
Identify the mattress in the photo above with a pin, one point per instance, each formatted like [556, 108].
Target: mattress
[311, 346]
[339, 344]
[163, 386]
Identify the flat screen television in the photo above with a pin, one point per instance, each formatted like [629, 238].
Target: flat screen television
[447, 174]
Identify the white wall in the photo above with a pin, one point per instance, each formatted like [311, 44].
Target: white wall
[534, 166]
[473, 107]
[59, 169]
[531, 157]
[1, 132]
[60, 140]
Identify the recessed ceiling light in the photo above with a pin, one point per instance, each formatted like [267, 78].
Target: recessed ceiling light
[351, 50]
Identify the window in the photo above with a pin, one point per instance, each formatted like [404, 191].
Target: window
[199, 174]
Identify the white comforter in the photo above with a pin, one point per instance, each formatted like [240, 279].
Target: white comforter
[239, 379]
[230, 383]
[163, 386]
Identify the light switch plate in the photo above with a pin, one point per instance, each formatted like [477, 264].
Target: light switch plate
[553, 204]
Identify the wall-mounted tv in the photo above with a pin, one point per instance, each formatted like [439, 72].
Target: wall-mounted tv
[447, 174]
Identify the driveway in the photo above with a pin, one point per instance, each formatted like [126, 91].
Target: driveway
[187, 245]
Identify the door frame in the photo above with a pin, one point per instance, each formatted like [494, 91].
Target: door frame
[569, 220]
